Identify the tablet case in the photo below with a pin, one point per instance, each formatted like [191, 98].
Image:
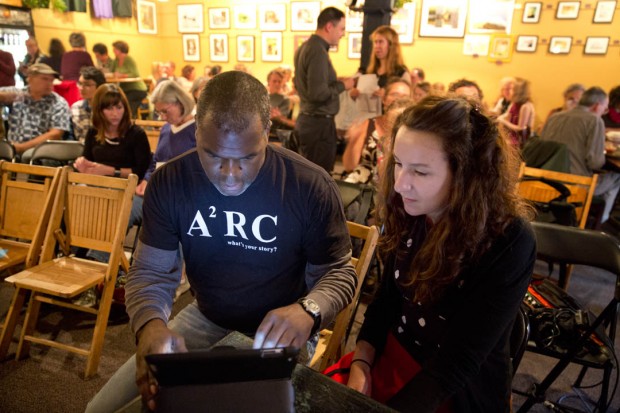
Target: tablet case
[225, 380]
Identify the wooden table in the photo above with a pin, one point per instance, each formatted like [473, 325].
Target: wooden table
[314, 392]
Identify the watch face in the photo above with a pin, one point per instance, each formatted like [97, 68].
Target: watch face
[312, 307]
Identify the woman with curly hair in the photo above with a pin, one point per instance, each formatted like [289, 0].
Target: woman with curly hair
[458, 255]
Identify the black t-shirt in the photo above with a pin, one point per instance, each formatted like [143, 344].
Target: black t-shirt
[246, 254]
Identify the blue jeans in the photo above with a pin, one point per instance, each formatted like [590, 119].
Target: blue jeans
[198, 332]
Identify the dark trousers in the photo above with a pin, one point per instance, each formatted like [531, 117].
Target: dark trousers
[317, 140]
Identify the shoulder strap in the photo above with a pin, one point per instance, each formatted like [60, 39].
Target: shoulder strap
[558, 186]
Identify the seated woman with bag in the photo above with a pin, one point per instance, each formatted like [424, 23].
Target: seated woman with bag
[459, 254]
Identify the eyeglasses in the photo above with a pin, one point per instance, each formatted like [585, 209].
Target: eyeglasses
[164, 111]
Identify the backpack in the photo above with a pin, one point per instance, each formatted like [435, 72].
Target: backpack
[558, 210]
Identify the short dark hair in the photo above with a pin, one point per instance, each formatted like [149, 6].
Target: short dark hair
[121, 46]
[614, 97]
[56, 48]
[231, 99]
[100, 48]
[329, 14]
[465, 83]
[592, 96]
[77, 39]
[94, 74]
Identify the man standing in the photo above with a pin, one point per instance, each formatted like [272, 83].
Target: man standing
[39, 114]
[318, 89]
[263, 236]
[583, 132]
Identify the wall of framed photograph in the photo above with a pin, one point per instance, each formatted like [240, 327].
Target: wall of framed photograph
[191, 48]
[190, 18]
[490, 16]
[271, 46]
[567, 10]
[354, 49]
[596, 45]
[147, 17]
[531, 12]
[604, 12]
[304, 15]
[476, 44]
[219, 18]
[272, 17]
[443, 18]
[245, 48]
[560, 44]
[500, 49]
[244, 16]
[403, 21]
[526, 44]
[218, 47]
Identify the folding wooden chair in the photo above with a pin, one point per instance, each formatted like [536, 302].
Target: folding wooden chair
[152, 129]
[332, 342]
[90, 211]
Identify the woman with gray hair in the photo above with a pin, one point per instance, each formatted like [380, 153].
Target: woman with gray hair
[76, 58]
[175, 106]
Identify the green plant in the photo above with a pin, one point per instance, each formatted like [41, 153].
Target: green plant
[58, 5]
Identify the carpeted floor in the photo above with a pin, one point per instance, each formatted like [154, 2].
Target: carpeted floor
[52, 380]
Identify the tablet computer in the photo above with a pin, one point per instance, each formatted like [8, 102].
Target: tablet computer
[225, 379]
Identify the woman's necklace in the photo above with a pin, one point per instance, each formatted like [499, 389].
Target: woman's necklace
[112, 138]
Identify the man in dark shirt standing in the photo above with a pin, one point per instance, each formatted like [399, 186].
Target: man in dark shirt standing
[318, 88]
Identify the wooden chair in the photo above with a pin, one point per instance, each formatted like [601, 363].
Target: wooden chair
[152, 129]
[90, 211]
[581, 188]
[332, 342]
[26, 199]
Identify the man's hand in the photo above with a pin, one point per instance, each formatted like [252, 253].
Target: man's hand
[348, 82]
[284, 326]
[155, 337]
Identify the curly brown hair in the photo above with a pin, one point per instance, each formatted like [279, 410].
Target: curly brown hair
[483, 198]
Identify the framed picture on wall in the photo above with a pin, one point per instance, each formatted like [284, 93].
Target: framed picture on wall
[501, 48]
[272, 17]
[604, 12]
[567, 10]
[304, 15]
[219, 18]
[299, 39]
[596, 45]
[531, 12]
[355, 46]
[560, 44]
[190, 18]
[403, 21]
[354, 21]
[191, 48]
[218, 47]
[527, 44]
[443, 18]
[245, 16]
[272, 47]
[147, 17]
[490, 16]
[476, 44]
[245, 48]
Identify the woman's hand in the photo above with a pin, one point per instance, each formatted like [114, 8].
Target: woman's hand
[354, 93]
[359, 378]
[85, 166]
[141, 187]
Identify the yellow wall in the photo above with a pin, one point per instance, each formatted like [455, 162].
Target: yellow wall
[441, 58]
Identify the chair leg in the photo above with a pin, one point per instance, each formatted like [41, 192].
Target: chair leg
[23, 348]
[96, 347]
[19, 297]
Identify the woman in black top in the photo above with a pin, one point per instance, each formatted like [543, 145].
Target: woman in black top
[459, 254]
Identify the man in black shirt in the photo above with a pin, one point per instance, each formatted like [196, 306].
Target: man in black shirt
[318, 89]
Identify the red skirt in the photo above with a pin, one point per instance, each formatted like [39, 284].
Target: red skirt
[389, 374]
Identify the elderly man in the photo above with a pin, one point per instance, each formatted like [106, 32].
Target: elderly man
[39, 114]
[263, 236]
[582, 130]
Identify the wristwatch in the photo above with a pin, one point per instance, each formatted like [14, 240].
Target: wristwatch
[117, 173]
[312, 308]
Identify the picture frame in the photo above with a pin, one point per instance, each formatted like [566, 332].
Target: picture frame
[531, 12]
[567, 10]
[304, 15]
[354, 51]
[218, 47]
[298, 40]
[443, 18]
[560, 44]
[354, 22]
[490, 16]
[190, 18]
[604, 12]
[526, 44]
[500, 49]
[244, 16]
[596, 45]
[403, 21]
[245, 48]
[147, 17]
[272, 17]
[219, 18]
[271, 46]
[476, 44]
[191, 48]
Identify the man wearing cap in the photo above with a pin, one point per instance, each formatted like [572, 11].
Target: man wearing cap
[39, 114]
